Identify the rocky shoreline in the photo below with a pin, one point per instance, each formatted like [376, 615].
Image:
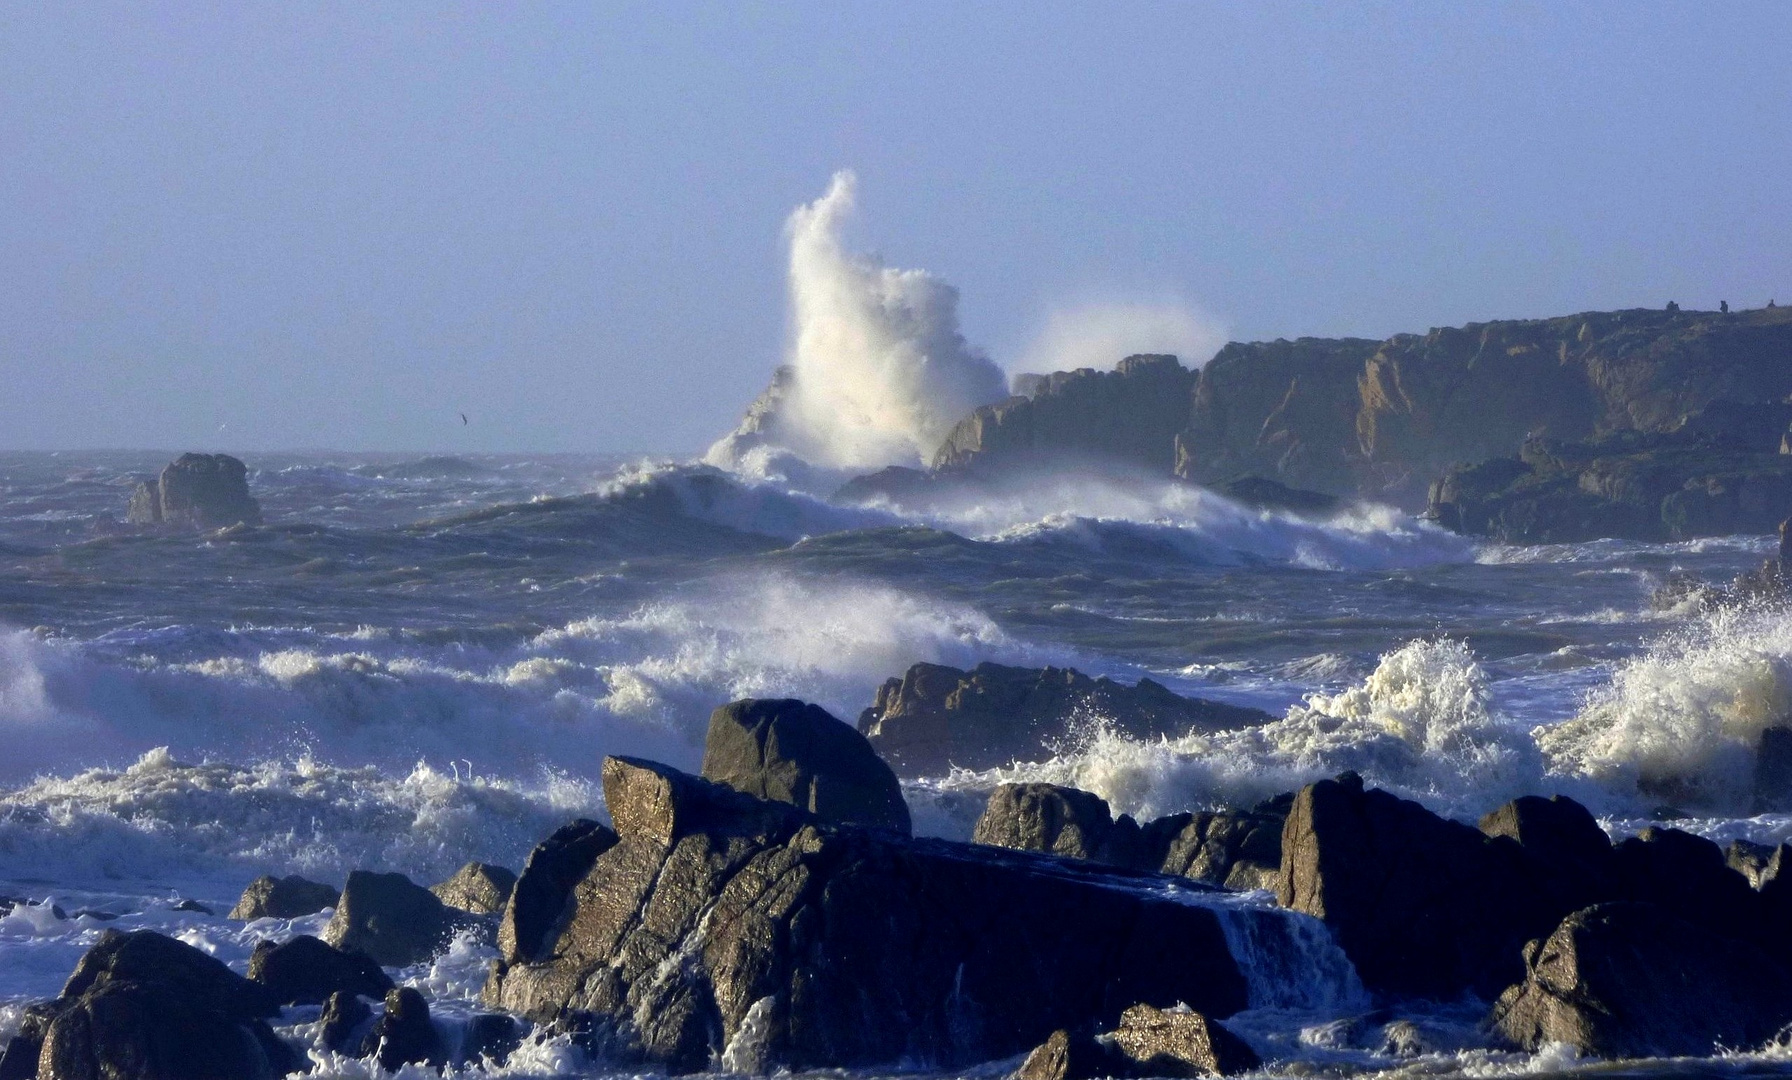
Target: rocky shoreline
[775, 913]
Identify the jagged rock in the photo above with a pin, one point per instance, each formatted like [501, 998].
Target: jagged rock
[1687, 876]
[1066, 1055]
[344, 1016]
[1131, 414]
[477, 887]
[390, 918]
[1424, 907]
[935, 716]
[142, 1005]
[403, 1034]
[1180, 1042]
[790, 751]
[1632, 980]
[1057, 821]
[1570, 856]
[1240, 849]
[714, 907]
[306, 971]
[204, 491]
[289, 897]
[541, 899]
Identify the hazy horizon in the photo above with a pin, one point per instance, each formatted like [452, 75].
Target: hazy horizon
[256, 230]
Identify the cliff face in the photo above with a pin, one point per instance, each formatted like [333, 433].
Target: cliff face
[1384, 420]
[1131, 414]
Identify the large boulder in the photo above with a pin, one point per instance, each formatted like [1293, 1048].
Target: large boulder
[306, 971]
[1423, 906]
[1240, 849]
[203, 491]
[477, 887]
[935, 717]
[290, 897]
[541, 900]
[391, 919]
[1058, 821]
[148, 1007]
[718, 918]
[790, 751]
[1180, 1042]
[1633, 980]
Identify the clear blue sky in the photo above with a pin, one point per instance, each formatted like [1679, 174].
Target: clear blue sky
[340, 225]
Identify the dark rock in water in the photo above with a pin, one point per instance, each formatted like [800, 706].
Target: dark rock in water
[1687, 876]
[1180, 1042]
[716, 913]
[1066, 1055]
[1272, 495]
[403, 1034]
[191, 905]
[344, 1016]
[142, 1005]
[895, 483]
[1057, 821]
[289, 897]
[1758, 863]
[935, 717]
[1773, 771]
[202, 491]
[788, 751]
[306, 971]
[1570, 854]
[542, 898]
[477, 887]
[1130, 414]
[490, 1038]
[1424, 907]
[391, 919]
[1632, 980]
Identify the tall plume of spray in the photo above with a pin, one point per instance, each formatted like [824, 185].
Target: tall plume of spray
[879, 371]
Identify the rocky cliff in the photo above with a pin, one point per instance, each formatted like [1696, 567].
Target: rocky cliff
[1384, 419]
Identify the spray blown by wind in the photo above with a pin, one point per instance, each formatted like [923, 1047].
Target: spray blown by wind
[879, 371]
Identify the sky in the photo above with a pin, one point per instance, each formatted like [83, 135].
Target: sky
[252, 227]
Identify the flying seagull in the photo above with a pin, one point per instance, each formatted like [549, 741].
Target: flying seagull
[463, 419]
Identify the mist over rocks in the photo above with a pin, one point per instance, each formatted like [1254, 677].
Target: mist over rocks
[196, 491]
[935, 716]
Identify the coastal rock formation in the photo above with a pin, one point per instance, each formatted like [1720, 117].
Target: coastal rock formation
[199, 491]
[1130, 414]
[290, 897]
[935, 717]
[540, 903]
[390, 918]
[723, 927]
[1633, 980]
[1238, 849]
[306, 971]
[1628, 485]
[789, 751]
[478, 888]
[142, 1005]
[403, 1034]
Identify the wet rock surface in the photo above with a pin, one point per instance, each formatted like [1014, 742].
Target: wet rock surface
[477, 887]
[289, 897]
[307, 971]
[714, 909]
[790, 751]
[935, 717]
[392, 919]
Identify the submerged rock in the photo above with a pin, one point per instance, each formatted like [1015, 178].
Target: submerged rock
[290, 897]
[390, 918]
[718, 918]
[793, 752]
[935, 717]
[148, 1007]
[477, 887]
[201, 491]
[1632, 980]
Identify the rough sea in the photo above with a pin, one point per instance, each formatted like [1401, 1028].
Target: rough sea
[421, 661]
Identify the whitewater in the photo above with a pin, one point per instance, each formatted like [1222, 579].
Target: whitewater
[421, 661]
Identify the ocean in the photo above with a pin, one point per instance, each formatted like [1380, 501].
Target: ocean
[420, 661]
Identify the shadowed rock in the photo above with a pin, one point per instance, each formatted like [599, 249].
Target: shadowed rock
[201, 491]
[391, 919]
[306, 971]
[715, 907]
[345, 1015]
[403, 1034]
[289, 897]
[543, 894]
[935, 717]
[1632, 980]
[477, 887]
[789, 751]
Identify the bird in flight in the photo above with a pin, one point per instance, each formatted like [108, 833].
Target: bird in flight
[463, 419]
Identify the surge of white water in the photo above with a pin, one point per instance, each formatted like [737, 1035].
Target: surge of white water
[880, 369]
